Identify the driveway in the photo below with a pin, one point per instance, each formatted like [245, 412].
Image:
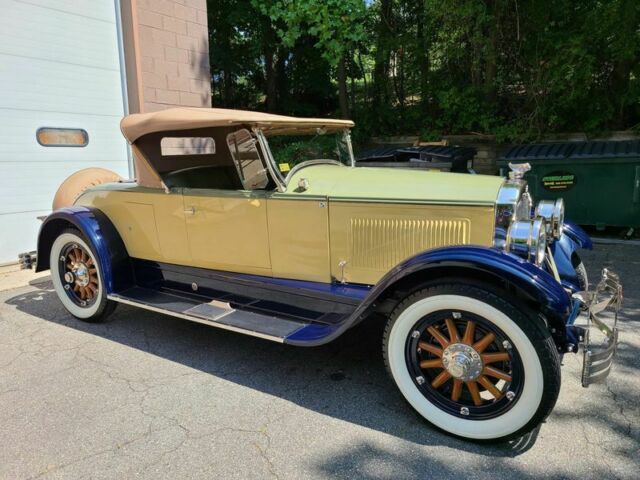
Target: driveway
[151, 396]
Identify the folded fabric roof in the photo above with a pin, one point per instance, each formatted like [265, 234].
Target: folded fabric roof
[139, 124]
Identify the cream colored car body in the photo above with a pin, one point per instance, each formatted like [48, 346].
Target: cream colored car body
[350, 224]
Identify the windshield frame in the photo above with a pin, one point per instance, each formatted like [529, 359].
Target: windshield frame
[272, 166]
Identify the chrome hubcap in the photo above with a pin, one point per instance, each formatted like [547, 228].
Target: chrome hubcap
[81, 272]
[462, 362]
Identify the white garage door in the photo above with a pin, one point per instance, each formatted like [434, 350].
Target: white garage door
[59, 67]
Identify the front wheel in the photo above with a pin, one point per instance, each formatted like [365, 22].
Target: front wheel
[77, 279]
[472, 363]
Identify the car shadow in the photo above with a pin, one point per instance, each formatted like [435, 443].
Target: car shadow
[345, 379]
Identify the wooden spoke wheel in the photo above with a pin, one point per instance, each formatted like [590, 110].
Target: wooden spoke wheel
[79, 274]
[472, 362]
[77, 277]
[464, 364]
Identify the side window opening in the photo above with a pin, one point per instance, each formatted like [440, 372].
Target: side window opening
[247, 160]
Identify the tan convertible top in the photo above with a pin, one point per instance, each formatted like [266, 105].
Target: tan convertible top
[138, 124]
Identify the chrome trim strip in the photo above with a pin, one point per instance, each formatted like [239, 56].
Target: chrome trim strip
[126, 301]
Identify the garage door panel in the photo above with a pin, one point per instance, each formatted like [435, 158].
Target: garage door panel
[88, 9]
[59, 67]
[50, 86]
[18, 137]
[53, 34]
[27, 224]
[24, 191]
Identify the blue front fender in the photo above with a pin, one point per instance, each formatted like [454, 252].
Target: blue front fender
[529, 278]
[573, 238]
[102, 237]
[534, 282]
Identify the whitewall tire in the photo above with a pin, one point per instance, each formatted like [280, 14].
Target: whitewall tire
[472, 363]
[77, 277]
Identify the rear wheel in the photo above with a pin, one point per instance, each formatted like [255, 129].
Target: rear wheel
[472, 363]
[77, 278]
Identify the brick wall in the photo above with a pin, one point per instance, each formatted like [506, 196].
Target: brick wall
[171, 54]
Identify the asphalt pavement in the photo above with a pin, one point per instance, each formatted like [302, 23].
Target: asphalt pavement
[151, 396]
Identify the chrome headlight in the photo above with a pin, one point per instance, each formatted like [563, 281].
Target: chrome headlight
[553, 213]
[528, 239]
[513, 203]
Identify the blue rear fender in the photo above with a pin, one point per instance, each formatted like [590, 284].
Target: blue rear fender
[102, 237]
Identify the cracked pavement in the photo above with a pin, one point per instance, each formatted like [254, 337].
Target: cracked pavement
[151, 396]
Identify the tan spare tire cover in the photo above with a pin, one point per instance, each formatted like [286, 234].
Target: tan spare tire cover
[77, 183]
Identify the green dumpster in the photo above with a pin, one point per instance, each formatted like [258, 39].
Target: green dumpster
[599, 180]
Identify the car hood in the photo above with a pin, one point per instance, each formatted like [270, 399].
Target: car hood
[409, 185]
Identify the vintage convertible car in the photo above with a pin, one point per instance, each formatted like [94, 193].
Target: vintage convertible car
[477, 286]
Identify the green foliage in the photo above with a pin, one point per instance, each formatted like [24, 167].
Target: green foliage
[291, 149]
[518, 70]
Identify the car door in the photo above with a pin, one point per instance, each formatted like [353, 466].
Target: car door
[227, 229]
[227, 224]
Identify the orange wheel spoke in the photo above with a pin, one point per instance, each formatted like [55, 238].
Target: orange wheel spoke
[469, 333]
[480, 345]
[92, 287]
[457, 390]
[486, 383]
[494, 357]
[496, 373]
[89, 261]
[442, 340]
[440, 379]
[435, 363]
[453, 331]
[427, 347]
[475, 393]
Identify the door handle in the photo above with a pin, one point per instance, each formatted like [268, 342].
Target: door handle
[189, 211]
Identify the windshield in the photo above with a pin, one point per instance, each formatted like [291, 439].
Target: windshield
[290, 150]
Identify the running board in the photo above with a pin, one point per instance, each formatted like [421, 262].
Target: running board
[215, 313]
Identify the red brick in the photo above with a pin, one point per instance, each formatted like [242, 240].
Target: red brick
[174, 25]
[199, 86]
[154, 80]
[145, 17]
[162, 37]
[197, 31]
[191, 99]
[149, 94]
[199, 4]
[176, 55]
[164, 7]
[186, 43]
[146, 64]
[178, 83]
[168, 96]
[186, 13]
[201, 17]
[154, 107]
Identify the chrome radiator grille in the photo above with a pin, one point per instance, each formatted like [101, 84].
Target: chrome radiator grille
[383, 243]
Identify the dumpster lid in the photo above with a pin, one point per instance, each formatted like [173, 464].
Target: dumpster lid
[377, 153]
[575, 150]
[540, 151]
[441, 151]
[608, 149]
